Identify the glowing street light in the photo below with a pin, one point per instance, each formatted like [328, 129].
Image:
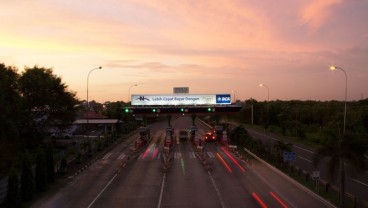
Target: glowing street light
[268, 100]
[334, 68]
[268, 91]
[342, 162]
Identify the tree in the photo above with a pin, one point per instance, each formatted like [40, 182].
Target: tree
[13, 196]
[341, 149]
[41, 174]
[10, 104]
[44, 93]
[27, 180]
[50, 163]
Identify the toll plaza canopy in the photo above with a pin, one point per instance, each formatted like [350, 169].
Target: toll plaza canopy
[180, 99]
[163, 104]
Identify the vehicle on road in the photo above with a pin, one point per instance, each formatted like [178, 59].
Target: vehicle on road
[67, 133]
[218, 132]
[209, 137]
[61, 135]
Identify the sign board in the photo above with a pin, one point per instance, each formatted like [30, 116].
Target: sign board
[181, 90]
[315, 175]
[289, 156]
[181, 99]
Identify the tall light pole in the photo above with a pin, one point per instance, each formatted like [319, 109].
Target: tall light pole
[268, 100]
[268, 91]
[333, 68]
[88, 84]
[342, 162]
[129, 91]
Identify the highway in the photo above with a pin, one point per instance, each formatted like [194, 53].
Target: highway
[356, 183]
[212, 178]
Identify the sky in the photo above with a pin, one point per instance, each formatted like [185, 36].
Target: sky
[210, 46]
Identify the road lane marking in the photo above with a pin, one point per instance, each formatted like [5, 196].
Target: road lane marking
[107, 185]
[210, 154]
[359, 182]
[311, 152]
[161, 191]
[303, 158]
[217, 190]
[107, 156]
[122, 156]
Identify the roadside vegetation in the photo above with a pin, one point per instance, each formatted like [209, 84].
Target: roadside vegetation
[315, 123]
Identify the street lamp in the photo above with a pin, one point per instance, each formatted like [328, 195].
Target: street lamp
[342, 162]
[88, 83]
[268, 100]
[268, 91]
[333, 68]
[129, 91]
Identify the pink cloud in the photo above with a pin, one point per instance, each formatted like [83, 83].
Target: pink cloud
[316, 13]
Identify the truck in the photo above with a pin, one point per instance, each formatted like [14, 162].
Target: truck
[218, 132]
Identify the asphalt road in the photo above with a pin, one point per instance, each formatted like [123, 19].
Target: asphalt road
[213, 178]
[356, 183]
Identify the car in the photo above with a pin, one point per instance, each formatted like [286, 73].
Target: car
[209, 137]
[61, 135]
[183, 135]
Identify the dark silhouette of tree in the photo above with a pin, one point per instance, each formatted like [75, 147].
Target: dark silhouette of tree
[44, 93]
[13, 197]
[49, 154]
[41, 171]
[339, 150]
[10, 104]
[27, 180]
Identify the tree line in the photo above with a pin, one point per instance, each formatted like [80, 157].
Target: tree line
[31, 101]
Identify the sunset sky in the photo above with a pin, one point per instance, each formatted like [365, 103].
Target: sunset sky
[210, 46]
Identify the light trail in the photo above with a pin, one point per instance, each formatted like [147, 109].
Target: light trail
[223, 162]
[182, 165]
[147, 151]
[278, 200]
[233, 159]
[155, 153]
[259, 200]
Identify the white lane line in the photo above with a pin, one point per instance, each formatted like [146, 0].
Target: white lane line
[303, 158]
[107, 156]
[311, 152]
[364, 184]
[108, 184]
[122, 156]
[210, 154]
[217, 190]
[161, 191]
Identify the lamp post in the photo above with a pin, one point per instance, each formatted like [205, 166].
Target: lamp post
[342, 162]
[268, 100]
[333, 68]
[129, 91]
[88, 83]
[268, 91]
[88, 102]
